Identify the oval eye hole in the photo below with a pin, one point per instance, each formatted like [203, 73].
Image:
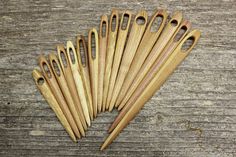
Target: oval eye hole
[46, 70]
[72, 56]
[125, 21]
[40, 81]
[140, 20]
[104, 29]
[82, 52]
[93, 45]
[63, 58]
[56, 68]
[188, 44]
[156, 23]
[113, 23]
[180, 33]
[174, 23]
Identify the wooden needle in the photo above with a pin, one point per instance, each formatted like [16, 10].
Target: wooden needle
[111, 45]
[135, 36]
[170, 47]
[93, 53]
[77, 75]
[66, 69]
[120, 45]
[103, 35]
[174, 60]
[52, 82]
[82, 55]
[164, 38]
[149, 39]
[58, 73]
[49, 97]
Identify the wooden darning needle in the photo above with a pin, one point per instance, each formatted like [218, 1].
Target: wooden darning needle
[82, 55]
[93, 54]
[111, 45]
[52, 82]
[164, 38]
[132, 44]
[120, 45]
[103, 36]
[149, 39]
[169, 49]
[173, 61]
[77, 75]
[49, 97]
[66, 69]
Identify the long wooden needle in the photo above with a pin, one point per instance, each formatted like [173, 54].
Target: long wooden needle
[174, 60]
[166, 35]
[93, 53]
[58, 73]
[111, 45]
[150, 37]
[77, 75]
[132, 44]
[170, 47]
[82, 55]
[66, 69]
[52, 82]
[103, 36]
[49, 97]
[120, 45]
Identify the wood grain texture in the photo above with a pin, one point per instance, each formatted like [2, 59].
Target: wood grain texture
[194, 113]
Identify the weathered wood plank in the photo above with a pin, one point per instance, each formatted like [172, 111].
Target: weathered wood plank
[194, 113]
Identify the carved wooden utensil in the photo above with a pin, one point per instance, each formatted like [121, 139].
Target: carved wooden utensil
[111, 45]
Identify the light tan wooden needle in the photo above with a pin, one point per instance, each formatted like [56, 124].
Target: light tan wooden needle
[66, 69]
[52, 82]
[169, 49]
[135, 36]
[165, 36]
[93, 53]
[49, 97]
[58, 73]
[112, 36]
[77, 75]
[149, 39]
[120, 45]
[82, 55]
[173, 61]
[103, 36]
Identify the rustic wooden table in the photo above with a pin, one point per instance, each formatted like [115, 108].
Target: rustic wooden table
[194, 114]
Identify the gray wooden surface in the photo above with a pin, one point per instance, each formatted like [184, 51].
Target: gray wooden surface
[194, 114]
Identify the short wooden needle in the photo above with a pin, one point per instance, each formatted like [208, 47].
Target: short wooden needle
[111, 45]
[52, 82]
[103, 36]
[175, 59]
[48, 95]
[82, 55]
[77, 75]
[93, 53]
[166, 35]
[135, 36]
[120, 45]
[169, 49]
[149, 39]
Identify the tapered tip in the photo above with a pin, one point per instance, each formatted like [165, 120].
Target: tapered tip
[103, 146]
